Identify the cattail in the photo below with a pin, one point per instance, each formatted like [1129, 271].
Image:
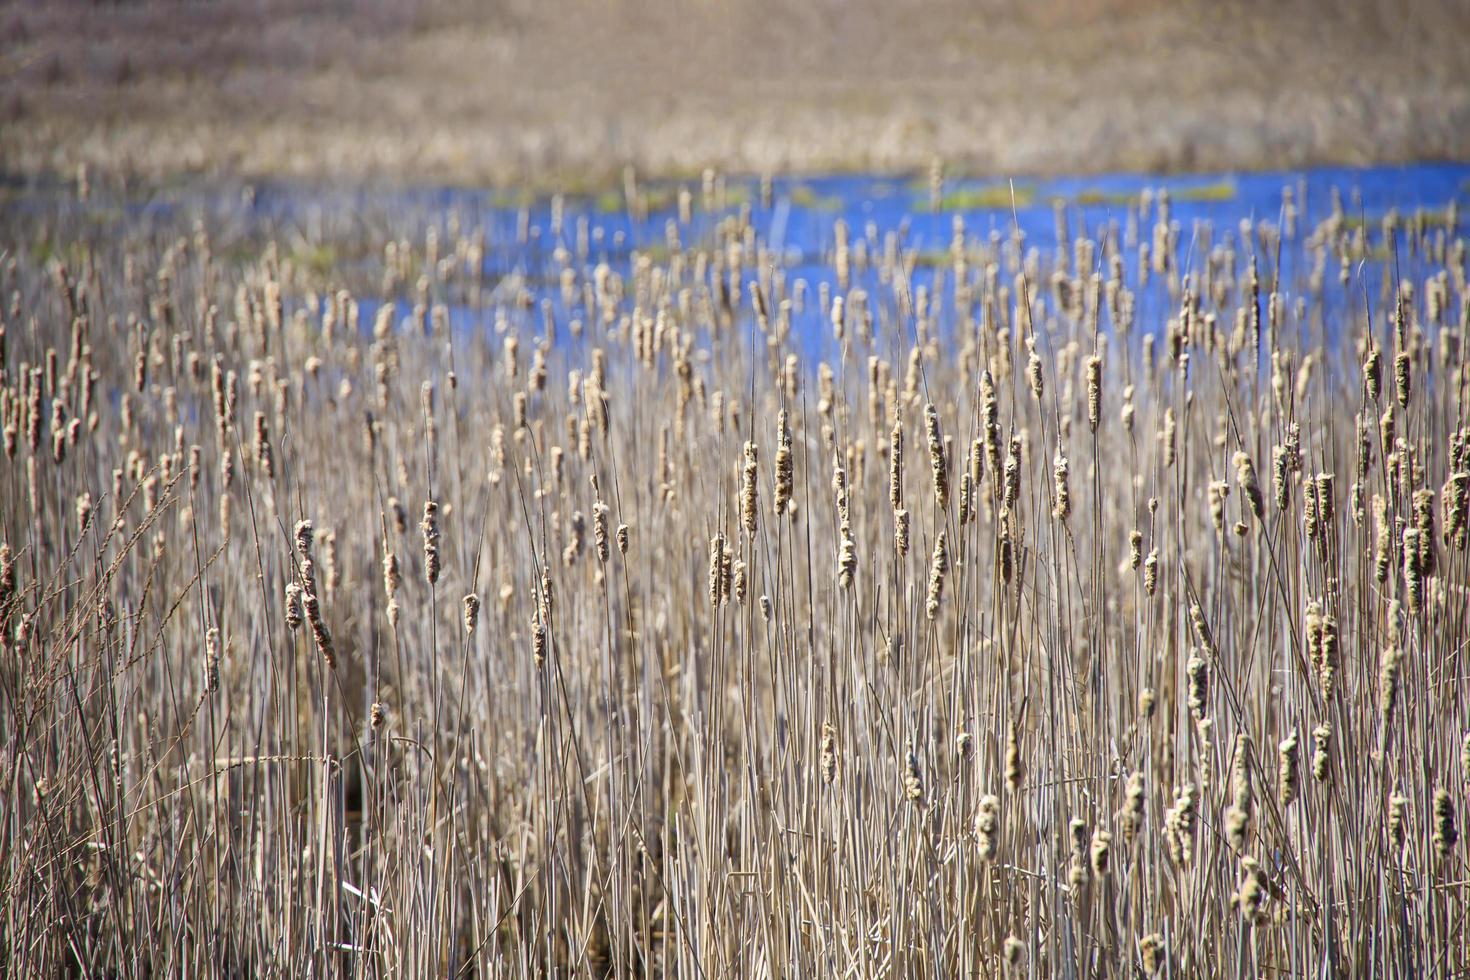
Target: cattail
[1179, 822]
[599, 531]
[987, 827]
[1326, 501]
[538, 642]
[1170, 437]
[1252, 890]
[1077, 868]
[1239, 816]
[1135, 548]
[1288, 777]
[1373, 374]
[293, 606]
[783, 482]
[1062, 508]
[1245, 475]
[263, 455]
[829, 752]
[1094, 391]
[378, 715]
[391, 580]
[1013, 951]
[1100, 853]
[716, 560]
[1153, 953]
[471, 613]
[938, 570]
[621, 539]
[1015, 767]
[1012, 476]
[319, 632]
[895, 466]
[1033, 370]
[913, 780]
[1445, 832]
[429, 527]
[1130, 818]
[748, 502]
[846, 562]
[1398, 803]
[1389, 668]
[84, 518]
[1322, 752]
[936, 457]
[1455, 505]
[1413, 570]
[1327, 655]
[211, 660]
[901, 532]
[1402, 378]
[1151, 571]
[1197, 670]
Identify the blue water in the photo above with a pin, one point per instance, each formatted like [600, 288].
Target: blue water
[800, 221]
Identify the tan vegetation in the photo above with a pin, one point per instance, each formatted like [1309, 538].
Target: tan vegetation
[961, 650]
[557, 91]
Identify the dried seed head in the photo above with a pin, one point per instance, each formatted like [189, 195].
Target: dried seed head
[829, 752]
[1245, 475]
[1094, 391]
[1062, 507]
[429, 527]
[1153, 953]
[987, 827]
[1445, 832]
[913, 779]
[1288, 776]
[293, 606]
[1077, 870]
[1398, 804]
[1130, 818]
[938, 570]
[1197, 670]
[1322, 752]
[471, 613]
[748, 500]
[846, 563]
[1015, 767]
[937, 462]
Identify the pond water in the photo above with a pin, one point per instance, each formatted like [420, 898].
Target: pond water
[796, 217]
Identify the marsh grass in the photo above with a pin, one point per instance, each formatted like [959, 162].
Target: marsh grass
[811, 711]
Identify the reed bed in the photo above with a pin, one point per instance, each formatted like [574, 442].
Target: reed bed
[1093, 607]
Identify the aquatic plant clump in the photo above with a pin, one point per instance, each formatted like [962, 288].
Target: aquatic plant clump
[497, 593]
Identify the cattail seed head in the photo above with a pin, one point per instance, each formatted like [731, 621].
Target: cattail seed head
[1446, 834]
[1322, 752]
[828, 758]
[1015, 767]
[471, 613]
[1077, 869]
[1245, 475]
[1288, 776]
[1094, 391]
[987, 827]
[429, 528]
[1152, 953]
[1130, 818]
[293, 606]
[913, 779]
[937, 462]
[1062, 507]
[748, 501]
[938, 570]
